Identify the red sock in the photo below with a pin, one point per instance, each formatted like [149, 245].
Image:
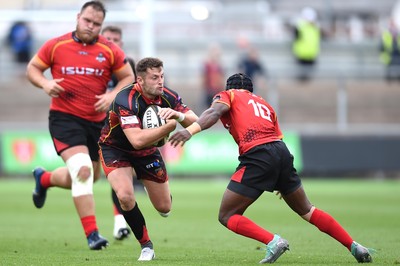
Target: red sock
[327, 224]
[246, 227]
[45, 180]
[89, 224]
[116, 212]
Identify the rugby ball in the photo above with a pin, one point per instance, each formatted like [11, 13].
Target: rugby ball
[152, 120]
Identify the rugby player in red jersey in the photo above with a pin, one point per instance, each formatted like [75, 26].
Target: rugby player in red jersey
[81, 64]
[265, 165]
[125, 145]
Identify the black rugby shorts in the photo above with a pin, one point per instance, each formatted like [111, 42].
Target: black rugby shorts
[150, 167]
[68, 131]
[266, 167]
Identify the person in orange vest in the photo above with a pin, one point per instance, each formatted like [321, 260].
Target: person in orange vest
[390, 50]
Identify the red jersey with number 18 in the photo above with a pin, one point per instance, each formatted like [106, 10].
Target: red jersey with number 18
[86, 69]
[251, 120]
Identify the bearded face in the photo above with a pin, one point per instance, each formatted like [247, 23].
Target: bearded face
[89, 23]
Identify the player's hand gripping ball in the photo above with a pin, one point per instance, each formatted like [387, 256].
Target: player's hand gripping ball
[152, 120]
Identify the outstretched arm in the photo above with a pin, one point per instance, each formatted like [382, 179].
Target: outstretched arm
[206, 120]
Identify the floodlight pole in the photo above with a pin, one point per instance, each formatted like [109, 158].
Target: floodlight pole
[147, 43]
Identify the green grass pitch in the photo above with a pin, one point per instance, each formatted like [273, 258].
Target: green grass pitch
[368, 209]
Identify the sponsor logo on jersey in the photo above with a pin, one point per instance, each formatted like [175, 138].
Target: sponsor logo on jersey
[126, 120]
[153, 164]
[100, 58]
[74, 70]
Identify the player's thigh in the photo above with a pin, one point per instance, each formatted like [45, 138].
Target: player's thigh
[298, 201]
[159, 193]
[234, 203]
[120, 180]
[68, 153]
[96, 170]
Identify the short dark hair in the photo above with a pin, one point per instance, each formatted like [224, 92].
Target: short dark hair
[113, 29]
[97, 5]
[146, 63]
[239, 81]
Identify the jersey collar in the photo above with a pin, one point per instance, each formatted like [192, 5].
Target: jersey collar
[79, 40]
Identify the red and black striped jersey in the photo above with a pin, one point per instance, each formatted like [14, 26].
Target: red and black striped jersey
[127, 111]
[251, 120]
[86, 69]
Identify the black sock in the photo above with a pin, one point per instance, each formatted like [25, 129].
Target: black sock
[136, 222]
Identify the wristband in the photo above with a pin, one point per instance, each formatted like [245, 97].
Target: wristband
[194, 128]
[181, 117]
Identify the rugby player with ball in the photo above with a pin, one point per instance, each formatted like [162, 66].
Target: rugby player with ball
[140, 118]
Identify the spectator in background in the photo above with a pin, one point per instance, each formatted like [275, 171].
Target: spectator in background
[20, 40]
[390, 51]
[251, 65]
[306, 45]
[213, 73]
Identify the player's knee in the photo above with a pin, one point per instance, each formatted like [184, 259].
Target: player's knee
[165, 214]
[84, 172]
[126, 200]
[308, 214]
[223, 218]
[81, 171]
[164, 208]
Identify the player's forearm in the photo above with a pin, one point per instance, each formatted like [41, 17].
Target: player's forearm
[147, 137]
[208, 118]
[190, 117]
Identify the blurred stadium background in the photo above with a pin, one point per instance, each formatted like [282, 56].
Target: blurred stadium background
[343, 122]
